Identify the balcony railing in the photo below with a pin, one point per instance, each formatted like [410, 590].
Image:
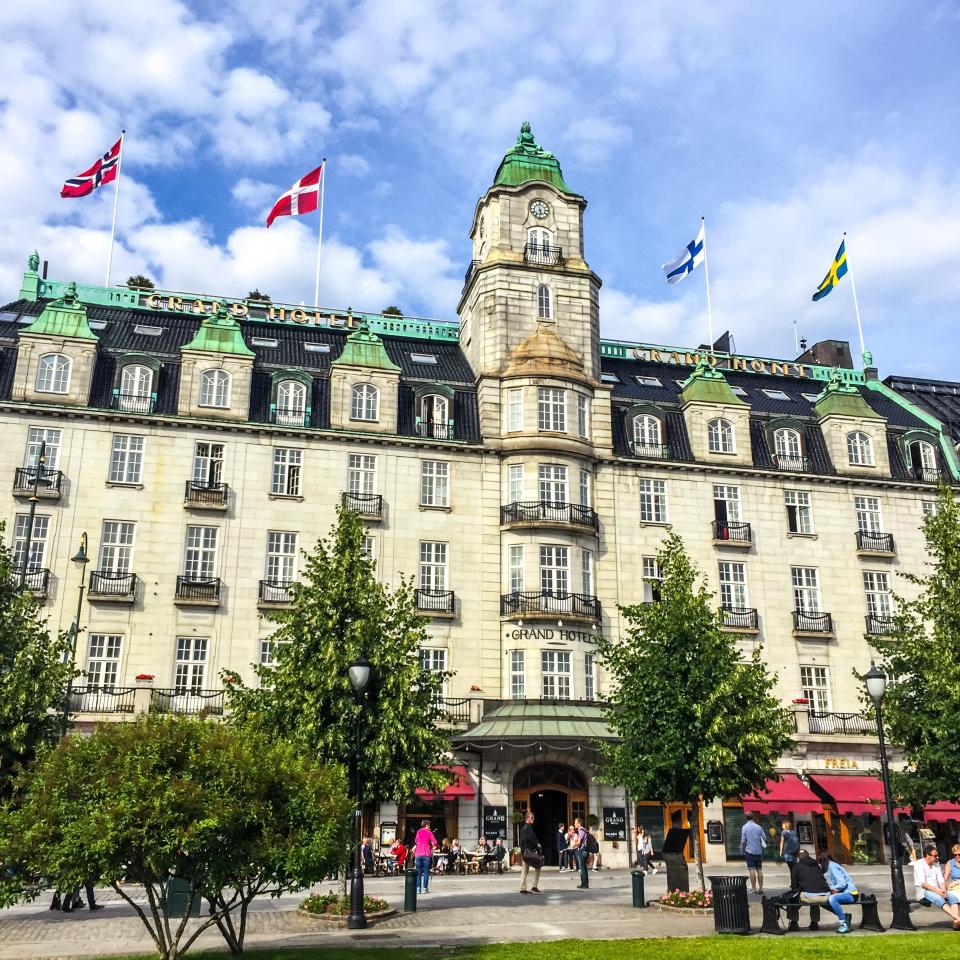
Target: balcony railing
[105, 584]
[105, 699]
[48, 487]
[795, 464]
[812, 622]
[850, 723]
[733, 531]
[870, 542]
[879, 625]
[435, 601]
[740, 618]
[198, 589]
[650, 451]
[437, 430]
[186, 700]
[926, 474]
[133, 402]
[471, 270]
[550, 602]
[290, 416]
[275, 591]
[543, 253]
[366, 504]
[549, 511]
[198, 493]
[454, 710]
[37, 582]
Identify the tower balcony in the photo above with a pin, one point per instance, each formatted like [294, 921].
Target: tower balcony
[548, 513]
[550, 605]
[543, 254]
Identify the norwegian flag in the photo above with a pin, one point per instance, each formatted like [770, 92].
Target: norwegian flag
[300, 198]
[105, 170]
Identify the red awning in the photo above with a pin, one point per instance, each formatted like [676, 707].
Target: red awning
[789, 795]
[856, 795]
[460, 787]
[942, 810]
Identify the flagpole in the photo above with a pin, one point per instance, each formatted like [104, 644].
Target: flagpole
[116, 200]
[706, 277]
[796, 339]
[856, 305]
[323, 185]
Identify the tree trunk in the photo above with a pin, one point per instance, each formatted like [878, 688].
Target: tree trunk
[695, 839]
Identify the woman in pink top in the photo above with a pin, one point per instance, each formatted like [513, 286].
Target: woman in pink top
[423, 846]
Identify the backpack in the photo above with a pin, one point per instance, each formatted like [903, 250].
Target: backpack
[591, 845]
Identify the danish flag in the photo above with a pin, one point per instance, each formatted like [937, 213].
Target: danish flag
[300, 198]
[105, 170]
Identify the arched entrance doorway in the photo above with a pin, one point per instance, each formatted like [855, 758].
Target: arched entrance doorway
[555, 793]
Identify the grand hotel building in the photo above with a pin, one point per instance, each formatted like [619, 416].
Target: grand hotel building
[524, 469]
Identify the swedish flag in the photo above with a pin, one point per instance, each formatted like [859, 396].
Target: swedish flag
[837, 270]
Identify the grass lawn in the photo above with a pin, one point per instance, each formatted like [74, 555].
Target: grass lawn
[868, 947]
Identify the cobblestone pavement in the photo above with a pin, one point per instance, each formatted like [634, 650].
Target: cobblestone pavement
[457, 910]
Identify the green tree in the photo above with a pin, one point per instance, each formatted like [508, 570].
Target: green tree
[255, 294]
[695, 720]
[34, 671]
[391, 312]
[139, 282]
[233, 814]
[921, 657]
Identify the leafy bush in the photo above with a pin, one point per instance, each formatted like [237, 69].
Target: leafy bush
[333, 905]
[695, 899]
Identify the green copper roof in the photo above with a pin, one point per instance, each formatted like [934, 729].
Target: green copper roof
[841, 399]
[220, 333]
[66, 317]
[526, 161]
[365, 349]
[708, 385]
[533, 720]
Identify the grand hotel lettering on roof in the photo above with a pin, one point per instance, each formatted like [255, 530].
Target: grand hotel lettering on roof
[522, 468]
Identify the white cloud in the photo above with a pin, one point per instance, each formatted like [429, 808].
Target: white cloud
[353, 165]
[594, 138]
[258, 195]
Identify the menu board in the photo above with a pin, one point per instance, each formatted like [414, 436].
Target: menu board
[614, 823]
[495, 823]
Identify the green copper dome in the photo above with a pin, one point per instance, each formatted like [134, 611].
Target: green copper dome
[527, 161]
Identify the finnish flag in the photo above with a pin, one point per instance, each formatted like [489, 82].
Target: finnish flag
[688, 260]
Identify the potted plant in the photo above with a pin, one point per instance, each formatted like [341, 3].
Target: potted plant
[516, 858]
[518, 817]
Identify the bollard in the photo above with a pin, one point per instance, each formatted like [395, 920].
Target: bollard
[410, 891]
[638, 897]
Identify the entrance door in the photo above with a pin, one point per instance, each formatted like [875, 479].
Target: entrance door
[549, 808]
[555, 794]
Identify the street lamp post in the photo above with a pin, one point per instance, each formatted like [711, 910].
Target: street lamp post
[876, 683]
[81, 559]
[39, 479]
[359, 674]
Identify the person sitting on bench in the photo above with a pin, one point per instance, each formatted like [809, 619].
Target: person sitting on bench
[928, 880]
[842, 889]
[809, 880]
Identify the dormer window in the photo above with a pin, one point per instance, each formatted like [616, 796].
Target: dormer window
[777, 394]
[544, 305]
[53, 373]
[647, 436]
[788, 449]
[923, 460]
[291, 405]
[434, 417]
[645, 381]
[136, 387]
[859, 449]
[720, 437]
[364, 402]
[215, 389]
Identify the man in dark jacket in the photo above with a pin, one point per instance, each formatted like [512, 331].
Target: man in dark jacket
[561, 844]
[809, 879]
[530, 845]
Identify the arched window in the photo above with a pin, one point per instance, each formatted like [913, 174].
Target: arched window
[434, 416]
[788, 449]
[364, 402]
[215, 388]
[136, 384]
[646, 436]
[53, 373]
[923, 460]
[859, 449]
[291, 403]
[720, 436]
[539, 248]
[544, 306]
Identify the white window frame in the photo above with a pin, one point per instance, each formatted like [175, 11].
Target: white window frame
[201, 549]
[551, 410]
[815, 687]
[280, 564]
[291, 406]
[653, 501]
[860, 449]
[362, 473]
[514, 409]
[733, 584]
[216, 386]
[802, 504]
[518, 675]
[434, 483]
[117, 539]
[434, 566]
[53, 373]
[928, 455]
[287, 472]
[586, 485]
[515, 483]
[126, 458]
[208, 462]
[806, 590]
[586, 572]
[38, 541]
[136, 385]
[869, 514]
[721, 437]
[190, 665]
[589, 676]
[788, 446]
[544, 302]
[647, 435]
[554, 569]
[552, 483]
[364, 402]
[104, 651]
[515, 571]
[35, 439]
[652, 574]
[583, 416]
[876, 586]
[556, 675]
[728, 494]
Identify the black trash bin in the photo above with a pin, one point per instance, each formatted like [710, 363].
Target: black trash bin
[731, 912]
[638, 895]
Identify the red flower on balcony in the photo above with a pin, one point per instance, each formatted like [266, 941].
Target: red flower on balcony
[144, 676]
[800, 700]
[474, 688]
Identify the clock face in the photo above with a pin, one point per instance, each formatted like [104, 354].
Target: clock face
[539, 209]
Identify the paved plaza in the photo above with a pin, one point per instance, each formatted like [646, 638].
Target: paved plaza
[458, 910]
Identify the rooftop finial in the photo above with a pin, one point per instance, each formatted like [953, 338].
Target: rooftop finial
[33, 261]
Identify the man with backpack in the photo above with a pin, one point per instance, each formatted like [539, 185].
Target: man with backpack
[789, 848]
[586, 844]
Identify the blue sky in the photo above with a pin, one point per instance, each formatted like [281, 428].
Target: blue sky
[783, 128]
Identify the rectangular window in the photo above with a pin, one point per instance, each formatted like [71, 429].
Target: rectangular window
[268, 652]
[553, 483]
[362, 473]
[126, 459]
[518, 675]
[516, 567]
[37, 436]
[103, 660]
[733, 585]
[551, 409]
[869, 519]
[554, 569]
[799, 511]
[585, 488]
[435, 483]
[200, 557]
[433, 659]
[555, 675]
[281, 557]
[653, 501]
[583, 417]
[116, 547]
[515, 482]
[815, 687]
[806, 589]
[370, 547]
[433, 565]
[38, 541]
[929, 507]
[877, 586]
[652, 577]
[190, 669]
[726, 503]
[208, 463]
[586, 572]
[287, 463]
[514, 409]
[589, 676]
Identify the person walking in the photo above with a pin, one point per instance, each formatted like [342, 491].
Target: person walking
[752, 843]
[645, 851]
[560, 842]
[789, 848]
[581, 853]
[532, 854]
[424, 844]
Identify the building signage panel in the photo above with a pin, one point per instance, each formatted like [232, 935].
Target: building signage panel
[495, 823]
[614, 823]
[550, 634]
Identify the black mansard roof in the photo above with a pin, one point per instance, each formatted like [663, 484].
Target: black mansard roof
[940, 398]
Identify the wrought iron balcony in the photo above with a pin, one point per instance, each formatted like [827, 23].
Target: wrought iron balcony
[105, 699]
[794, 464]
[203, 591]
[849, 723]
[186, 700]
[204, 495]
[290, 416]
[544, 254]
[48, 485]
[650, 451]
[133, 402]
[366, 504]
[870, 542]
[107, 585]
[436, 601]
[809, 621]
[454, 710]
[37, 582]
[926, 474]
[275, 593]
[740, 618]
[436, 430]
[879, 625]
[549, 511]
[471, 271]
[732, 532]
[550, 603]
